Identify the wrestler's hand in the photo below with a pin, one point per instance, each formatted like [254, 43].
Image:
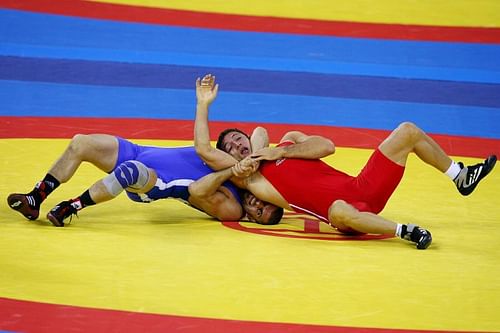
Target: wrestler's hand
[269, 154]
[245, 167]
[206, 89]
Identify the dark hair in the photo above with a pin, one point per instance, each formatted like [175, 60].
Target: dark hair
[224, 133]
[275, 216]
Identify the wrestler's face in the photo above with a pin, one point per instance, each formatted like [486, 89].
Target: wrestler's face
[237, 145]
[257, 210]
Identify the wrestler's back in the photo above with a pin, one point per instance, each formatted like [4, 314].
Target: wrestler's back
[309, 185]
[176, 168]
[174, 162]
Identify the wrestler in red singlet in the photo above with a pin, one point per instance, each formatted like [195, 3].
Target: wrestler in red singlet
[311, 186]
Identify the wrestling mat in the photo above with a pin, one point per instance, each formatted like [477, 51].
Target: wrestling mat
[126, 266]
[348, 70]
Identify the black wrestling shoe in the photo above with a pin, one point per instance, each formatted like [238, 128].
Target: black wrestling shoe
[469, 176]
[62, 211]
[24, 204]
[415, 234]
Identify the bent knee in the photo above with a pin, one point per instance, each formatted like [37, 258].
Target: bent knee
[78, 143]
[79, 139]
[341, 209]
[131, 175]
[409, 129]
[343, 216]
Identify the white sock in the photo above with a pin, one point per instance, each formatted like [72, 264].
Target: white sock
[398, 230]
[453, 170]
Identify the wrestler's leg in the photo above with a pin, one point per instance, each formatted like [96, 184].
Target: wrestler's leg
[130, 175]
[347, 218]
[99, 149]
[110, 187]
[409, 138]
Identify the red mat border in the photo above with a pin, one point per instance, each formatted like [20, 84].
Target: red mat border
[38, 317]
[132, 128]
[162, 16]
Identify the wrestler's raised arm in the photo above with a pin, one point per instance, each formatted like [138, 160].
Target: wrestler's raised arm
[206, 92]
[304, 146]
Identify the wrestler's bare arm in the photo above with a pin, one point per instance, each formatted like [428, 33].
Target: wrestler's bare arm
[206, 92]
[259, 138]
[208, 194]
[304, 146]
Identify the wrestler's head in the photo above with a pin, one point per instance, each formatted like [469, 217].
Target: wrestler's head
[260, 211]
[234, 142]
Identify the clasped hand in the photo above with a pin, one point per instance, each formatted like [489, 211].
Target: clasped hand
[245, 167]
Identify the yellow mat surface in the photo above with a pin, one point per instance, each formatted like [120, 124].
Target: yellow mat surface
[167, 258]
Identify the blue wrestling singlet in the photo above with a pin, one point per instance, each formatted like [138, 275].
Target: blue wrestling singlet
[176, 167]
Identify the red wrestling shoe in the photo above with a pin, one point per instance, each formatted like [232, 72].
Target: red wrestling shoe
[24, 204]
[62, 211]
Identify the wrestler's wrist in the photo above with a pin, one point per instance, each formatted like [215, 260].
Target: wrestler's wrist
[234, 172]
[202, 104]
[284, 152]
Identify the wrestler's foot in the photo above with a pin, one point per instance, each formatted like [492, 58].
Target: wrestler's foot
[420, 236]
[59, 213]
[24, 204]
[469, 176]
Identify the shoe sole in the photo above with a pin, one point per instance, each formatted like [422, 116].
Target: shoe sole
[54, 220]
[19, 203]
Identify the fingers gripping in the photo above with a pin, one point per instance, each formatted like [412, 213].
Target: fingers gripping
[129, 174]
[245, 167]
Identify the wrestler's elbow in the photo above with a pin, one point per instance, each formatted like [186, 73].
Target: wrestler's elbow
[197, 191]
[329, 146]
[210, 157]
[204, 151]
[260, 132]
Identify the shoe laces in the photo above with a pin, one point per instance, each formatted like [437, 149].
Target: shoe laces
[469, 175]
[75, 213]
[414, 233]
[66, 210]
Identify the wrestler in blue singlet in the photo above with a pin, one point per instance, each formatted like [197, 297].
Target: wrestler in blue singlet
[176, 167]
